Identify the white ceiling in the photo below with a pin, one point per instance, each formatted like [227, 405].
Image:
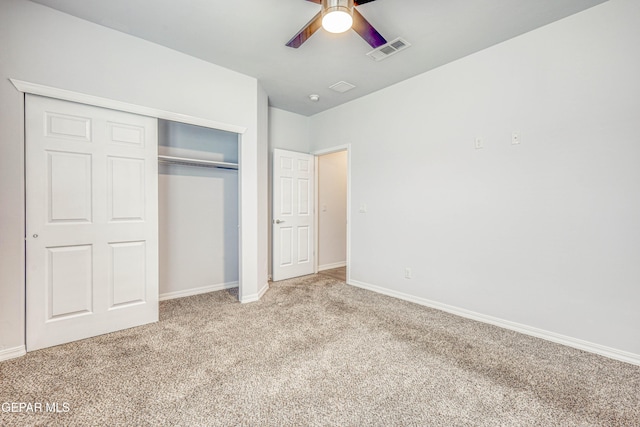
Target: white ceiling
[249, 36]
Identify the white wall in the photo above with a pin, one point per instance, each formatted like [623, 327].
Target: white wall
[198, 211]
[332, 210]
[287, 131]
[546, 233]
[44, 46]
[253, 194]
[263, 197]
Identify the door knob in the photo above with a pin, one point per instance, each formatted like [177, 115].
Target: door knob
[278, 221]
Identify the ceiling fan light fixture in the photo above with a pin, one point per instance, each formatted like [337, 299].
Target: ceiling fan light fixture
[337, 15]
[337, 21]
[348, 18]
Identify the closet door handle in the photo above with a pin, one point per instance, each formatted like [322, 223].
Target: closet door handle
[277, 221]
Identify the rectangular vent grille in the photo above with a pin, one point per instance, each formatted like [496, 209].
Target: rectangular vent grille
[388, 49]
[341, 86]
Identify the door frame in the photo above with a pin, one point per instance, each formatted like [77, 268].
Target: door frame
[316, 154]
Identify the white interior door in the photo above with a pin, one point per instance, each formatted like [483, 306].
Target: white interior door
[293, 214]
[92, 221]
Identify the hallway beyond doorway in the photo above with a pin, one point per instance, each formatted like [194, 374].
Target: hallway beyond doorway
[339, 273]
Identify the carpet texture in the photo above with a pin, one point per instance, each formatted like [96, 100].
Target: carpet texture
[315, 351]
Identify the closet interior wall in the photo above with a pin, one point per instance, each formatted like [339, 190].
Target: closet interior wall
[198, 211]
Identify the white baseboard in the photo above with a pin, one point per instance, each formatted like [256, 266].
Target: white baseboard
[332, 265]
[609, 352]
[12, 353]
[263, 291]
[257, 296]
[197, 291]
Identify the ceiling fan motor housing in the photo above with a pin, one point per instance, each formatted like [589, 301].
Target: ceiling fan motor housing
[329, 6]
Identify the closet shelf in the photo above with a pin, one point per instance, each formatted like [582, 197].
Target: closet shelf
[196, 162]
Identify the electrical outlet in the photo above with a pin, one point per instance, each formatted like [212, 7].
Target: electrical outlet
[479, 143]
[515, 138]
[407, 273]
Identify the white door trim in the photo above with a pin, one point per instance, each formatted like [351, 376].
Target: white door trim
[97, 101]
[347, 148]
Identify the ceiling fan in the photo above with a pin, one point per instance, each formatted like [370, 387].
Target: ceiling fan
[338, 16]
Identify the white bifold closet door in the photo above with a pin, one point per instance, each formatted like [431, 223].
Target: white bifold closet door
[92, 221]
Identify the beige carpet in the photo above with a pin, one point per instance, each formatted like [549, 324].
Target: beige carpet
[315, 351]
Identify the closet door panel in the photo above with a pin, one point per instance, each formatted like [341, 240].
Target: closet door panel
[69, 187]
[126, 189]
[69, 281]
[127, 271]
[91, 208]
[124, 133]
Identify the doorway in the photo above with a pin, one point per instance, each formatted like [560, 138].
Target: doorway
[332, 207]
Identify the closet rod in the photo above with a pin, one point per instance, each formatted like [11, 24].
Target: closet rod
[197, 162]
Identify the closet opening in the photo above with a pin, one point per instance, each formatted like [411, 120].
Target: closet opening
[198, 199]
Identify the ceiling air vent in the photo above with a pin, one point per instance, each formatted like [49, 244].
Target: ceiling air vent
[341, 86]
[391, 48]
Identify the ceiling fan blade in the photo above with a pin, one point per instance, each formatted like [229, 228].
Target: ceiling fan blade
[366, 30]
[306, 31]
[320, 1]
[356, 2]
